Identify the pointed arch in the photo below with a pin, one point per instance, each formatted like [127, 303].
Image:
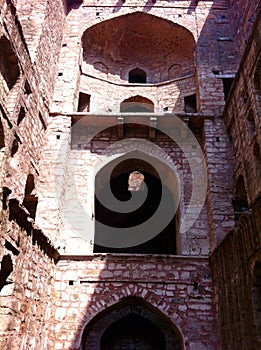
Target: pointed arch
[137, 104]
[126, 211]
[138, 76]
[100, 331]
[138, 40]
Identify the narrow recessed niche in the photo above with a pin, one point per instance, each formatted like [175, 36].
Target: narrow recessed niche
[227, 83]
[195, 286]
[2, 135]
[9, 66]
[84, 102]
[15, 147]
[21, 115]
[190, 103]
[6, 270]
[42, 120]
[27, 88]
[137, 76]
[30, 199]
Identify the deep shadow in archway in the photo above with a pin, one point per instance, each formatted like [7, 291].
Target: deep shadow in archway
[131, 324]
[133, 332]
[165, 241]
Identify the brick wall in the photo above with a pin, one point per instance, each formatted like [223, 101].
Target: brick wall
[234, 260]
[243, 104]
[179, 288]
[206, 23]
[27, 256]
[47, 306]
[67, 193]
[233, 265]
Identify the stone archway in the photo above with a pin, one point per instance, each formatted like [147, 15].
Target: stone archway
[161, 191]
[138, 104]
[139, 40]
[131, 324]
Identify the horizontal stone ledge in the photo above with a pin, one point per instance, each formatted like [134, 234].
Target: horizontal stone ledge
[130, 257]
[152, 120]
[168, 115]
[131, 279]
[142, 85]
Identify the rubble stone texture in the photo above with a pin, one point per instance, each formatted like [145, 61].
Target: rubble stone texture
[157, 96]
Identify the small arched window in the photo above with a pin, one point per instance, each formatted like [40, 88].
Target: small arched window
[138, 76]
[137, 104]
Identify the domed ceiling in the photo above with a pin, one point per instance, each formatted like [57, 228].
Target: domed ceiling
[138, 40]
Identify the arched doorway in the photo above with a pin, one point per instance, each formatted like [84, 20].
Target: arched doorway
[131, 324]
[133, 332]
[137, 75]
[128, 180]
[137, 104]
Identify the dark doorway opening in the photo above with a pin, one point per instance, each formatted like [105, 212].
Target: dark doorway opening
[133, 332]
[165, 241]
[138, 76]
[84, 102]
[131, 324]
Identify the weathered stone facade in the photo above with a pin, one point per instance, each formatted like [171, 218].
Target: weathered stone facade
[90, 93]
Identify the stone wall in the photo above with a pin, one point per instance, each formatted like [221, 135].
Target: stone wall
[236, 260]
[67, 193]
[105, 96]
[179, 288]
[47, 174]
[218, 151]
[244, 16]
[27, 270]
[208, 24]
[242, 117]
[27, 257]
[233, 264]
